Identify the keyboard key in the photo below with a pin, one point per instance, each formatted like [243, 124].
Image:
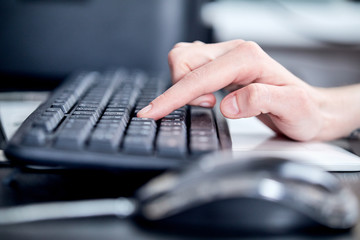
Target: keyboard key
[86, 118]
[92, 114]
[74, 134]
[117, 109]
[201, 118]
[56, 110]
[171, 144]
[138, 145]
[86, 109]
[203, 136]
[81, 83]
[140, 136]
[143, 121]
[106, 113]
[49, 120]
[35, 137]
[64, 106]
[107, 137]
[203, 144]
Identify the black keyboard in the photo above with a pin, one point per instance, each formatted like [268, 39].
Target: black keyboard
[90, 122]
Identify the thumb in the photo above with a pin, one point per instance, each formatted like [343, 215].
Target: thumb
[258, 98]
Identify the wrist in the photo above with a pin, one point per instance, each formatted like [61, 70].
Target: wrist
[340, 111]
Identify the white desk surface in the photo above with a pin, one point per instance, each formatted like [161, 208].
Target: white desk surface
[13, 111]
[250, 136]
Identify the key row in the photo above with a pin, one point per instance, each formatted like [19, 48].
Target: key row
[101, 116]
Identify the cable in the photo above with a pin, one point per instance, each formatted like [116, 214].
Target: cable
[121, 207]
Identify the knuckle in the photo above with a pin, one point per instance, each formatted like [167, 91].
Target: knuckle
[173, 54]
[238, 42]
[198, 42]
[250, 47]
[253, 48]
[251, 58]
[180, 44]
[259, 98]
[176, 61]
[179, 66]
[254, 94]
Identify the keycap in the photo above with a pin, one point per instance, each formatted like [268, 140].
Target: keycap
[202, 118]
[71, 94]
[49, 119]
[81, 82]
[74, 134]
[106, 137]
[63, 105]
[138, 145]
[86, 118]
[35, 137]
[171, 144]
[140, 136]
[172, 137]
[203, 136]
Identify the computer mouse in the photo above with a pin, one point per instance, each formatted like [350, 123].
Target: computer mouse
[248, 194]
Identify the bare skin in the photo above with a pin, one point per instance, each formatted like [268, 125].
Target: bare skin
[261, 87]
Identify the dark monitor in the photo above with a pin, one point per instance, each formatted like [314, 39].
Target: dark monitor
[45, 40]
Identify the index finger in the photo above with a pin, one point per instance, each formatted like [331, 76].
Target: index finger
[238, 65]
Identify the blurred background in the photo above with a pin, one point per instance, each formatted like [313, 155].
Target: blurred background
[43, 41]
[318, 40]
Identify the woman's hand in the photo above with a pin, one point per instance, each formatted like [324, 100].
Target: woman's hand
[263, 88]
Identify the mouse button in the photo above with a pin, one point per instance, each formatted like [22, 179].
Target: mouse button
[294, 171]
[236, 166]
[158, 186]
[338, 210]
[202, 190]
[267, 167]
[247, 162]
[183, 177]
[181, 185]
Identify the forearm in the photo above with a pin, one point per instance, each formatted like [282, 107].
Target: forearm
[340, 107]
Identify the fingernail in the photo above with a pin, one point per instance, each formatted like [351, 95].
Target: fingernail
[145, 110]
[231, 105]
[205, 104]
